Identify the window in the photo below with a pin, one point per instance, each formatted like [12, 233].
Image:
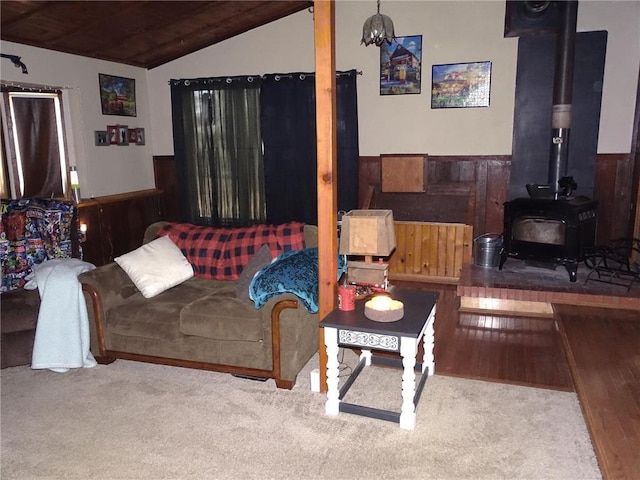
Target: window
[33, 145]
[218, 150]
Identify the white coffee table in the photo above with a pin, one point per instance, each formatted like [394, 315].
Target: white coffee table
[353, 329]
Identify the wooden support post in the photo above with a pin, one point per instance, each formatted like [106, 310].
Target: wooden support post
[324, 32]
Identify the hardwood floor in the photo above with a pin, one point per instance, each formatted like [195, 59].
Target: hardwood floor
[603, 348]
[509, 349]
[594, 350]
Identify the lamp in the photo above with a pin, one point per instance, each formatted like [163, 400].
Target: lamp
[383, 308]
[377, 29]
[75, 183]
[83, 232]
[368, 233]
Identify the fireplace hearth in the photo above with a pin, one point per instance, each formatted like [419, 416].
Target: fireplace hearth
[549, 233]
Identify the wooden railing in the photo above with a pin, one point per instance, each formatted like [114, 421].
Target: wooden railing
[116, 223]
[430, 252]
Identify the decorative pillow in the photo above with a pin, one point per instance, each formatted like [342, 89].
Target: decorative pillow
[156, 266]
[293, 272]
[258, 261]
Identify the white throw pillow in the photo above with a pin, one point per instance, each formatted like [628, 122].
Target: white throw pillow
[156, 266]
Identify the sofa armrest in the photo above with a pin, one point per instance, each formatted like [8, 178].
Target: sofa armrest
[104, 288]
[296, 339]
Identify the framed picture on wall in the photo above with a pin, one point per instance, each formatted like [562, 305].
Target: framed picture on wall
[139, 136]
[117, 95]
[400, 65]
[101, 138]
[123, 135]
[461, 85]
[113, 134]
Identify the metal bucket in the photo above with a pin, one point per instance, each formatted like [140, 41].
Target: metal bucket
[486, 250]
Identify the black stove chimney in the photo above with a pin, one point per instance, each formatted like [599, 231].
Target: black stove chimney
[559, 182]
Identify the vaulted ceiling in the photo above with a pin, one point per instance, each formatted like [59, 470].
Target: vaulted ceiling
[141, 33]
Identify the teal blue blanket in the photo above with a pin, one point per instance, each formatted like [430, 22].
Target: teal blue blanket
[293, 272]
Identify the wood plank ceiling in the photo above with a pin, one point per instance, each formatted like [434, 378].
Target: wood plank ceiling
[141, 33]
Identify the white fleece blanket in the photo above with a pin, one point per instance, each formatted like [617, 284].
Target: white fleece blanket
[62, 334]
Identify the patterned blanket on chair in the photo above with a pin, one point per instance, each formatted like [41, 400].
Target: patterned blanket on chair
[32, 231]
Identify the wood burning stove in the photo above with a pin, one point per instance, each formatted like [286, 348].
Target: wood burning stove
[553, 227]
[549, 232]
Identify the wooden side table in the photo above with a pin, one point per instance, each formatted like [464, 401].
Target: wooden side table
[353, 329]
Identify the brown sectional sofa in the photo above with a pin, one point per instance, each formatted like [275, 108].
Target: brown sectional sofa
[200, 323]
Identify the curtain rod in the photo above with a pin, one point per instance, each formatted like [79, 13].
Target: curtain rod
[32, 87]
[249, 78]
[278, 76]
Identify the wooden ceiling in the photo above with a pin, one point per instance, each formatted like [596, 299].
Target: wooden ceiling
[140, 33]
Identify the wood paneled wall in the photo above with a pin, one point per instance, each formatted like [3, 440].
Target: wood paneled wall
[164, 171]
[612, 189]
[116, 223]
[433, 252]
[489, 176]
[459, 189]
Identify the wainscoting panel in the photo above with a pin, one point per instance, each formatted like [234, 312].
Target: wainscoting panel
[116, 223]
[430, 252]
[490, 177]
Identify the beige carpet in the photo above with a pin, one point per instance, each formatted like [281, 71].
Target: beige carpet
[132, 420]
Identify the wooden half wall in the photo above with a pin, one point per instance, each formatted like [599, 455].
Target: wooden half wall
[430, 252]
[116, 223]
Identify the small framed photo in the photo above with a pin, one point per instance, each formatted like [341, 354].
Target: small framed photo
[113, 135]
[101, 138]
[461, 85]
[123, 135]
[139, 136]
[133, 138]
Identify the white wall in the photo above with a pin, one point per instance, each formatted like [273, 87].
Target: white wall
[102, 170]
[473, 31]
[452, 31]
[622, 20]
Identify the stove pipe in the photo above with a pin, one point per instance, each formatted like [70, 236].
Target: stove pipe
[560, 183]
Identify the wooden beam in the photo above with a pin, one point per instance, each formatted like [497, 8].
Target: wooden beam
[324, 31]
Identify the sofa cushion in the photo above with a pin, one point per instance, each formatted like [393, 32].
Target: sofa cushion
[156, 266]
[159, 317]
[222, 317]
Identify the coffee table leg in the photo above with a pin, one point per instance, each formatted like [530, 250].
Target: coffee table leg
[332, 406]
[366, 355]
[408, 350]
[428, 339]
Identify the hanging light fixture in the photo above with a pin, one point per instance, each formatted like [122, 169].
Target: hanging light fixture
[377, 29]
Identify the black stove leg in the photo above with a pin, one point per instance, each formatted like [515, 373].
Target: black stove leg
[503, 258]
[572, 268]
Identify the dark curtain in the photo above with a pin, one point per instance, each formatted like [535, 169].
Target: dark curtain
[289, 134]
[37, 136]
[218, 150]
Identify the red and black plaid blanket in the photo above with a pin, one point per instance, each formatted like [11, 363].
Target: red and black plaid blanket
[222, 253]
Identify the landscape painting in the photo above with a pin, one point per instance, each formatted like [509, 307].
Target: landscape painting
[117, 95]
[460, 85]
